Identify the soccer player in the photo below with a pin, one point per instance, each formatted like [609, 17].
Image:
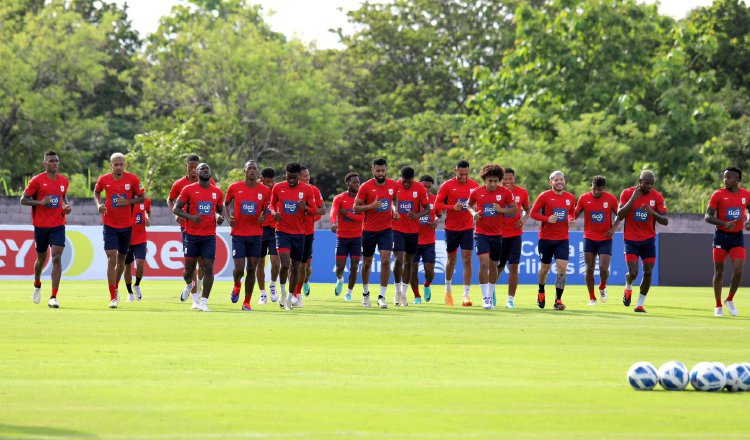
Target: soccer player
[141, 219]
[290, 202]
[412, 205]
[205, 210]
[425, 245]
[510, 251]
[554, 209]
[246, 216]
[459, 227]
[47, 196]
[641, 207]
[123, 190]
[486, 204]
[728, 210]
[268, 245]
[600, 209]
[377, 199]
[306, 266]
[347, 225]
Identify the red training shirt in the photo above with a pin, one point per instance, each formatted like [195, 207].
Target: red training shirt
[412, 199]
[597, 215]
[639, 225]
[521, 197]
[451, 192]
[548, 203]
[204, 202]
[128, 187]
[311, 219]
[490, 221]
[427, 232]
[41, 186]
[249, 203]
[285, 200]
[179, 184]
[138, 234]
[349, 224]
[730, 206]
[378, 219]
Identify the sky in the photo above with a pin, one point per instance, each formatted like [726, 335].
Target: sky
[310, 20]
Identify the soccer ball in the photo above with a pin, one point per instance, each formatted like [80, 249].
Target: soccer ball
[642, 376]
[738, 377]
[708, 376]
[673, 376]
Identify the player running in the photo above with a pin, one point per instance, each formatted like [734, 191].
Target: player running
[728, 210]
[123, 190]
[554, 209]
[205, 210]
[141, 219]
[425, 245]
[268, 247]
[306, 266]
[47, 194]
[459, 227]
[347, 225]
[377, 199]
[510, 251]
[246, 216]
[641, 207]
[600, 209]
[486, 204]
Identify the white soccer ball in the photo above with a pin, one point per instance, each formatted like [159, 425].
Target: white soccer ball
[642, 376]
[738, 377]
[708, 376]
[673, 376]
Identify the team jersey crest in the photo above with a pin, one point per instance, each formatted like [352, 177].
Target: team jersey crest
[652, 202]
[301, 195]
[743, 200]
[213, 196]
[606, 204]
[414, 194]
[62, 188]
[260, 196]
[143, 206]
[390, 191]
[498, 197]
[567, 202]
[127, 187]
[518, 199]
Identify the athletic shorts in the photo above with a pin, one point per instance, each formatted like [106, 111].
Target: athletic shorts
[730, 244]
[117, 238]
[597, 247]
[510, 251]
[292, 243]
[197, 246]
[403, 242]
[553, 248]
[382, 239]
[247, 246]
[346, 247]
[307, 251]
[268, 242]
[645, 250]
[454, 239]
[46, 237]
[488, 244]
[425, 252]
[136, 252]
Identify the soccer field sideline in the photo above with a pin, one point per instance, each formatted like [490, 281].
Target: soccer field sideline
[157, 369]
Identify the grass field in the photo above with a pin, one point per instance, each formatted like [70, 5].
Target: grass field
[156, 369]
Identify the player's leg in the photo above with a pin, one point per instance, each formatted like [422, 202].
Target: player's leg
[237, 273]
[604, 263]
[590, 260]
[398, 270]
[140, 266]
[369, 242]
[340, 267]
[260, 273]
[307, 263]
[738, 255]
[719, 256]
[452, 241]
[56, 273]
[467, 246]
[410, 248]
[414, 277]
[648, 269]
[385, 276]
[545, 254]
[484, 279]
[252, 263]
[560, 281]
[188, 275]
[632, 252]
[353, 269]
[127, 274]
[285, 263]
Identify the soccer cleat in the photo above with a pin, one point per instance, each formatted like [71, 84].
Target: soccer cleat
[202, 307]
[348, 297]
[195, 305]
[235, 295]
[404, 302]
[274, 296]
[731, 307]
[339, 287]
[114, 303]
[185, 293]
[592, 302]
[427, 293]
[626, 297]
[448, 299]
[466, 302]
[417, 301]
[603, 295]
[52, 304]
[510, 304]
[381, 302]
[37, 295]
[540, 300]
[719, 311]
[131, 297]
[288, 305]
[397, 298]
[138, 294]
[263, 300]
[487, 303]
[300, 304]
[294, 301]
[639, 309]
[366, 300]
[246, 307]
[559, 305]
[306, 289]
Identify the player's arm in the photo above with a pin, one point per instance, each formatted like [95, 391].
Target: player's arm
[359, 204]
[424, 202]
[509, 209]
[537, 212]
[228, 208]
[333, 217]
[394, 206]
[220, 209]
[579, 208]
[100, 206]
[180, 212]
[711, 218]
[27, 198]
[442, 198]
[624, 209]
[321, 205]
[309, 204]
[660, 217]
[471, 206]
[571, 215]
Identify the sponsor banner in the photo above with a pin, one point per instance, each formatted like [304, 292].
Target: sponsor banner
[84, 257]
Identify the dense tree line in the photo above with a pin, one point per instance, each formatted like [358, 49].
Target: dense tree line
[586, 86]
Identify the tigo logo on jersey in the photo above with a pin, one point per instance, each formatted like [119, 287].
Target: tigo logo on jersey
[205, 208]
[733, 213]
[640, 215]
[290, 207]
[561, 213]
[597, 216]
[248, 208]
[405, 207]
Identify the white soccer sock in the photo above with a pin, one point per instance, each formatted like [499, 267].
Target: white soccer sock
[283, 290]
[196, 297]
[204, 301]
[404, 288]
[348, 291]
[485, 290]
[398, 289]
[262, 293]
[628, 286]
[466, 290]
[340, 279]
[448, 286]
[492, 289]
[365, 288]
[641, 300]
[272, 284]
[382, 290]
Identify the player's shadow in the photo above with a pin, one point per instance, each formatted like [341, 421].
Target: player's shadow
[17, 431]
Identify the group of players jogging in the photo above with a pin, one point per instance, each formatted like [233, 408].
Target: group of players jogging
[396, 217]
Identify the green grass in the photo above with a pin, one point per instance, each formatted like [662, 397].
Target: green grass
[156, 369]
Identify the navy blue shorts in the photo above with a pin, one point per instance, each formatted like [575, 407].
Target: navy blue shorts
[728, 240]
[454, 239]
[488, 244]
[425, 252]
[382, 239]
[268, 242]
[553, 248]
[348, 247]
[645, 249]
[117, 238]
[200, 246]
[136, 252]
[403, 242]
[307, 251]
[247, 246]
[510, 251]
[46, 237]
[293, 243]
[597, 247]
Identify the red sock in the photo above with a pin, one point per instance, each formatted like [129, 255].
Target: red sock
[415, 289]
[592, 296]
[112, 291]
[718, 302]
[248, 297]
[54, 292]
[427, 284]
[297, 289]
[37, 284]
[416, 294]
[237, 286]
[731, 296]
[602, 285]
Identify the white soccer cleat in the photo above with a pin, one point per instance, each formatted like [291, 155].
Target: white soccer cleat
[293, 301]
[366, 301]
[138, 294]
[37, 295]
[603, 295]
[731, 307]
[274, 296]
[592, 302]
[52, 304]
[719, 311]
[299, 301]
[282, 301]
[114, 303]
[487, 304]
[131, 297]
[381, 303]
[404, 302]
[202, 307]
[186, 293]
[263, 300]
[195, 305]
